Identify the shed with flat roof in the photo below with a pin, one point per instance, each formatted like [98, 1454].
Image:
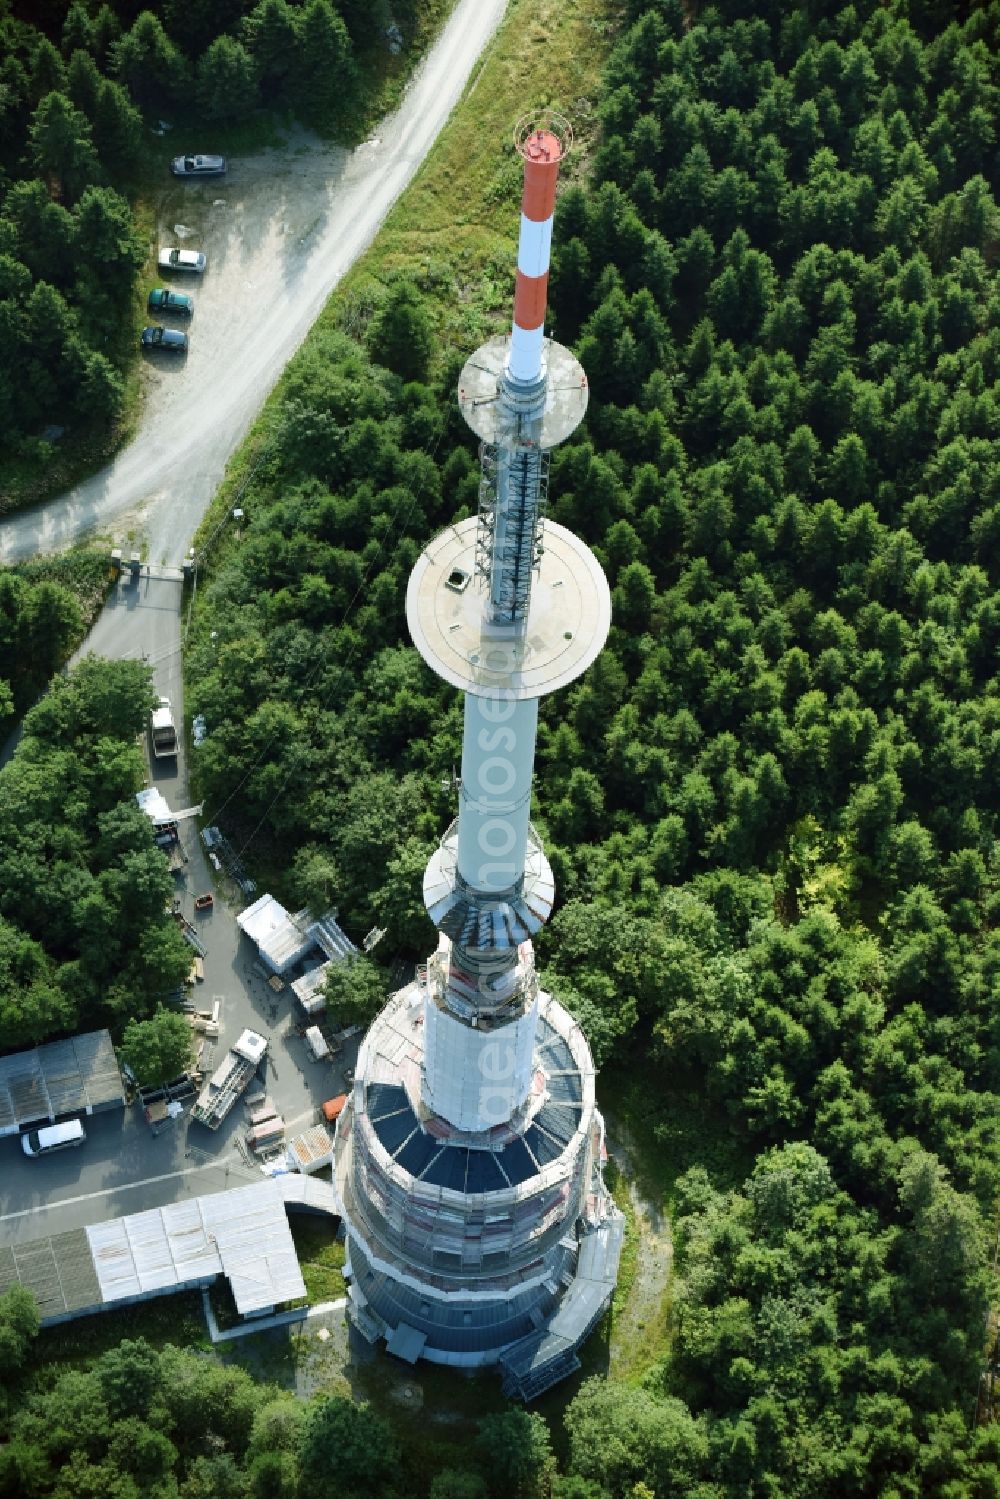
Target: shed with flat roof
[242, 1234]
[76, 1076]
[280, 937]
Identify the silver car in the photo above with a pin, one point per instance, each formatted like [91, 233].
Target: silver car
[199, 166]
[172, 259]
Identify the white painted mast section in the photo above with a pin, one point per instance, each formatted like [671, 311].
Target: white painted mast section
[534, 246]
[525, 355]
[542, 151]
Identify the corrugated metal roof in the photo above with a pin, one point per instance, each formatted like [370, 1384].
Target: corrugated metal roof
[327, 935]
[308, 990]
[255, 1244]
[57, 1270]
[61, 1077]
[307, 1192]
[242, 1234]
[312, 1149]
[77, 1277]
[280, 938]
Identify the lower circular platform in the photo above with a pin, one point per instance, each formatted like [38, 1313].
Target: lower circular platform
[567, 624]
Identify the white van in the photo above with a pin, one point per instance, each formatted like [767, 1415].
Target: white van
[53, 1137]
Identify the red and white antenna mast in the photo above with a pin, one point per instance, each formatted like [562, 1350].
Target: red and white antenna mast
[542, 148]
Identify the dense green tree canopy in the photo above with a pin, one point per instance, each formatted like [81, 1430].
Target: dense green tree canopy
[158, 1049]
[770, 805]
[18, 1327]
[84, 938]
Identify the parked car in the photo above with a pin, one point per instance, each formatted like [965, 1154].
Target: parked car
[172, 259]
[53, 1137]
[155, 337]
[199, 166]
[162, 299]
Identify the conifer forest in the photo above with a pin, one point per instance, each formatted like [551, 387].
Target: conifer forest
[771, 806]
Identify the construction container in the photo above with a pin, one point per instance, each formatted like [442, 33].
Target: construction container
[333, 1107]
[317, 1043]
[260, 1113]
[311, 1150]
[268, 1133]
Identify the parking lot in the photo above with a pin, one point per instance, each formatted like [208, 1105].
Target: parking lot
[124, 1167]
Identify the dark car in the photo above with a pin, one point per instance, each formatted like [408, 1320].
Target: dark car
[161, 299]
[199, 166]
[156, 337]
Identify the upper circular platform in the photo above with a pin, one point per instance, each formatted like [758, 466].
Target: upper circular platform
[567, 624]
[566, 392]
[547, 137]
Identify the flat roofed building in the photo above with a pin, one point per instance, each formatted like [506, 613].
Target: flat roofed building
[281, 938]
[242, 1234]
[76, 1076]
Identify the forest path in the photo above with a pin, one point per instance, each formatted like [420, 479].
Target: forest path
[279, 231]
[639, 1332]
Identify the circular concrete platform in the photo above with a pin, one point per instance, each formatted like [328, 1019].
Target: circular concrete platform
[567, 624]
[566, 392]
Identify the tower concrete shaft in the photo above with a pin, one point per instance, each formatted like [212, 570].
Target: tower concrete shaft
[488, 888]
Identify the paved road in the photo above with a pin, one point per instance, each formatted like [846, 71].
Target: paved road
[280, 231]
[123, 1167]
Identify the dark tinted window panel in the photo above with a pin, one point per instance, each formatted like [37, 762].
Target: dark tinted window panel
[448, 1170]
[517, 1163]
[543, 1148]
[385, 1098]
[559, 1121]
[484, 1175]
[394, 1129]
[418, 1152]
[565, 1087]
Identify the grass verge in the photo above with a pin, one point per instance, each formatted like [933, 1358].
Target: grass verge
[321, 1257]
[455, 228]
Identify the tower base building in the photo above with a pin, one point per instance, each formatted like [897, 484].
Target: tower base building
[468, 1161]
[477, 1248]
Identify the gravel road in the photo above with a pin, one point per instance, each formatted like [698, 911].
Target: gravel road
[280, 231]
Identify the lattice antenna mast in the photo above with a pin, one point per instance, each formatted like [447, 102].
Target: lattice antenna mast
[514, 483]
